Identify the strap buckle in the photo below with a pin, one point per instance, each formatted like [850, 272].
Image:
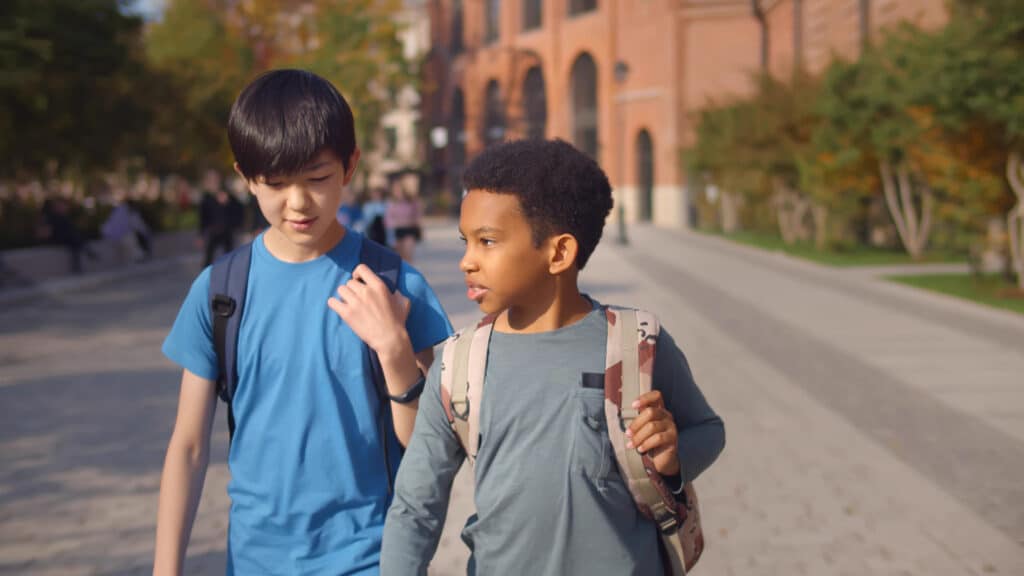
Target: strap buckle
[223, 306]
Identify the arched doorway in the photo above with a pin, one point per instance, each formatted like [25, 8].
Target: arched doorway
[645, 175]
[535, 107]
[583, 80]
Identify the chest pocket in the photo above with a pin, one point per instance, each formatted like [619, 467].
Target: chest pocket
[592, 450]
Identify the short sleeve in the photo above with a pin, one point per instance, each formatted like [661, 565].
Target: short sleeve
[190, 341]
[427, 323]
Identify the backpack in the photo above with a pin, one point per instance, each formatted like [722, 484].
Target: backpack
[628, 369]
[229, 279]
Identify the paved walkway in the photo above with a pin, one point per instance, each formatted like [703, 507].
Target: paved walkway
[872, 428]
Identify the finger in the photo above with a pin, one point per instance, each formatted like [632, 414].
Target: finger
[646, 415]
[640, 435]
[347, 294]
[662, 440]
[339, 307]
[652, 398]
[365, 274]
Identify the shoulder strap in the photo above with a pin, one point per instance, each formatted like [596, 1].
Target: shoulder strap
[229, 279]
[630, 353]
[386, 264]
[463, 367]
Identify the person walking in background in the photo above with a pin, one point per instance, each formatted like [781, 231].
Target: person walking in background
[128, 231]
[375, 209]
[403, 222]
[350, 213]
[59, 226]
[220, 216]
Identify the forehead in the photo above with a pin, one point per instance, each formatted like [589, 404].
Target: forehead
[486, 208]
[324, 158]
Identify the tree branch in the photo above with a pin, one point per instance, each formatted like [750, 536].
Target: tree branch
[890, 199]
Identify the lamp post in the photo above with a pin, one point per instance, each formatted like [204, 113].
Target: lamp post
[621, 73]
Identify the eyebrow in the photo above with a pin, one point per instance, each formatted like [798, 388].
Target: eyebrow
[482, 230]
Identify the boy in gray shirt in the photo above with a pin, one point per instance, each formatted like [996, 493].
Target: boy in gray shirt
[549, 497]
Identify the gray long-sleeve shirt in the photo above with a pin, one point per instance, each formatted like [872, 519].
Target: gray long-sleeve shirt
[549, 496]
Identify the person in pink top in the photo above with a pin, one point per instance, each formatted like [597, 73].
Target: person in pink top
[402, 220]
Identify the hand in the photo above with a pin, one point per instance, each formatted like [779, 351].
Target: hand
[654, 432]
[375, 314]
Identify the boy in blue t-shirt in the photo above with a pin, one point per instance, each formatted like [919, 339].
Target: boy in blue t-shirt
[309, 485]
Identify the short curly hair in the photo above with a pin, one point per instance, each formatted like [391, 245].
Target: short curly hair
[560, 189]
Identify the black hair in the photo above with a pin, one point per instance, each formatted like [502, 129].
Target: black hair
[560, 189]
[284, 118]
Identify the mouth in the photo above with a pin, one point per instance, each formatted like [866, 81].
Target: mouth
[302, 224]
[475, 292]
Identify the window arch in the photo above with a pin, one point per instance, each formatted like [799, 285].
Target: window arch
[535, 107]
[583, 80]
[645, 175]
[581, 6]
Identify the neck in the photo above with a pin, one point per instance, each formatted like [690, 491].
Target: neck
[560, 305]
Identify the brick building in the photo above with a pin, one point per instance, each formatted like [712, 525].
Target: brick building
[621, 79]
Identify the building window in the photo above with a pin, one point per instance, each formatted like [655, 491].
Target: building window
[531, 14]
[584, 105]
[645, 174]
[492, 20]
[535, 103]
[494, 115]
[456, 26]
[457, 146]
[390, 141]
[581, 6]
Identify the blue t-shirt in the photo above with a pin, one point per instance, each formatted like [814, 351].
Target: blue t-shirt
[308, 479]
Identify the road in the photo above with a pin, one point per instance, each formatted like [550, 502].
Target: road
[872, 429]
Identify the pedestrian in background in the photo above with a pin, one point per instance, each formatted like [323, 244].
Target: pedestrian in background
[58, 226]
[220, 216]
[403, 221]
[375, 209]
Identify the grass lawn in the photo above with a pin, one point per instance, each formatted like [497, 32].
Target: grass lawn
[859, 256]
[991, 290]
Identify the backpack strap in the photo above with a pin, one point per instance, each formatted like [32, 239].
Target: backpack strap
[229, 279]
[463, 367]
[630, 353]
[386, 264]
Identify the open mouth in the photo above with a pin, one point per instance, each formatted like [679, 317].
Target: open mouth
[475, 292]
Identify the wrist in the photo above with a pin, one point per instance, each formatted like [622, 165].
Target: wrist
[396, 348]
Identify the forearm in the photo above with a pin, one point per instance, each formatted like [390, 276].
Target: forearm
[401, 370]
[699, 446]
[181, 487]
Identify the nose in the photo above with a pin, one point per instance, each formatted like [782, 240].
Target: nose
[467, 263]
[298, 198]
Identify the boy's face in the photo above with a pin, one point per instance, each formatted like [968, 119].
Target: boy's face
[301, 207]
[502, 266]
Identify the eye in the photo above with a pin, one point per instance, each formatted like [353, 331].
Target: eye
[320, 178]
[274, 185]
[488, 241]
[462, 238]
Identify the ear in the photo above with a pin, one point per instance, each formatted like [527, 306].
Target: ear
[564, 249]
[353, 160]
[248, 184]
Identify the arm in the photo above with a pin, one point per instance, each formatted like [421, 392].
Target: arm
[701, 433]
[378, 317]
[181, 484]
[417, 514]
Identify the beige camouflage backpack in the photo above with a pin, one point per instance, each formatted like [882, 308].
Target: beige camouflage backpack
[632, 335]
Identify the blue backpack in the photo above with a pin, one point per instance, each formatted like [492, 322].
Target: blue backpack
[229, 279]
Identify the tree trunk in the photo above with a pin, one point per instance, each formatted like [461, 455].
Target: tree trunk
[791, 210]
[730, 212]
[899, 196]
[820, 214]
[1015, 218]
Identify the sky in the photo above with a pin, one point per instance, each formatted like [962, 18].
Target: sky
[149, 9]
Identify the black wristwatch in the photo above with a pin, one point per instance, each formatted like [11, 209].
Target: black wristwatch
[412, 393]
